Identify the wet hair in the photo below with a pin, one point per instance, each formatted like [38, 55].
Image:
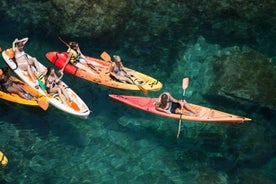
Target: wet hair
[19, 44]
[163, 101]
[49, 70]
[117, 58]
[73, 44]
[6, 70]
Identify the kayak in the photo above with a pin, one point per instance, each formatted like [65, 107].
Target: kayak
[3, 159]
[203, 114]
[100, 73]
[75, 107]
[37, 99]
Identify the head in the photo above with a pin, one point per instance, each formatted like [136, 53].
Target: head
[74, 45]
[117, 60]
[50, 71]
[4, 71]
[20, 45]
[164, 100]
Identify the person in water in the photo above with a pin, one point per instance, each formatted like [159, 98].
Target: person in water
[166, 103]
[118, 71]
[25, 62]
[75, 57]
[8, 85]
[53, 84]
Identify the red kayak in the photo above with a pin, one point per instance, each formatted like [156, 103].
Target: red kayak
[204, 114]
[100, 73]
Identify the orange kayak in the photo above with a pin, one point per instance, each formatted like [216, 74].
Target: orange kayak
[204, 114]
[99, 73]
[12, 97]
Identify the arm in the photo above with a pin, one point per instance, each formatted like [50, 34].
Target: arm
[80, 53]
[111, 68]
[66, 63]
[162, 110]
[172, 99]
[60, 77]
[24, 40]
[13, 44]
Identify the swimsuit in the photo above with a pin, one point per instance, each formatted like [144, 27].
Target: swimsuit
[74, 56]
[18, 55]
[173, 106]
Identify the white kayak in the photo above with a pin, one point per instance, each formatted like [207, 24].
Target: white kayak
[75, 107]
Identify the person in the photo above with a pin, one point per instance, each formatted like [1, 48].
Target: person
[24, 61]
[166, 103]
[75, 57]
[53, 84]
[8, 85]
[118, 71]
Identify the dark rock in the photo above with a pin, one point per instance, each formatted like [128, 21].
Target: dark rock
[245, 76]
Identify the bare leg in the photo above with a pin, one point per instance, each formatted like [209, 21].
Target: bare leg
[188, 107]
[17, 90]
[87, 69]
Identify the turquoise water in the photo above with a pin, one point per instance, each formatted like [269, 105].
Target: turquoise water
[118, 144]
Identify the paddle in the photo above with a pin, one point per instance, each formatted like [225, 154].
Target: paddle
[89, 64]
[106, 57]
[185, 83]
[41, 100]
[43, 103]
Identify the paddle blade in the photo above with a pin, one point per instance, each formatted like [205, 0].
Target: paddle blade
[185, 83]
[142, 89]
[73, 105]
[43, 103]
[105, 56]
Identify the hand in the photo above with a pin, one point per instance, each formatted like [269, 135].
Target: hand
[61, 72]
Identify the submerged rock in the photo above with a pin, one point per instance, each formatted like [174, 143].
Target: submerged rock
[245, 76]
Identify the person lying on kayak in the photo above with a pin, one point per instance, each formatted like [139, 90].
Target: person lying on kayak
[166, 103]
[75, 57]
[8, 85]
[117, 71]
[24, 61]
[53, 84]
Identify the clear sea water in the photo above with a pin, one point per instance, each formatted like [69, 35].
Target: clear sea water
[118, 144]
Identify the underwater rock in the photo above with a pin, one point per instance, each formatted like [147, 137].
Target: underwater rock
[39, 164]
[253, 177]
[146, 21]
[208, 175]
[245, 76]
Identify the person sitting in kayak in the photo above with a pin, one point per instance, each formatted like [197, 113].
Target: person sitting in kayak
[53, 84]
[75, 57]
[24, 61]
[118, 72]
[166, 103]
[8, 85]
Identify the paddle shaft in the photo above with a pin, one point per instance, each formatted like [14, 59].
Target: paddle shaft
[185, 83]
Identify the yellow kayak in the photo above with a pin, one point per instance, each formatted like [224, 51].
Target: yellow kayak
[3, 159]
[37, 100]
[101, 74]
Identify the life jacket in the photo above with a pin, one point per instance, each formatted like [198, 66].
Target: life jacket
[74, 55]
